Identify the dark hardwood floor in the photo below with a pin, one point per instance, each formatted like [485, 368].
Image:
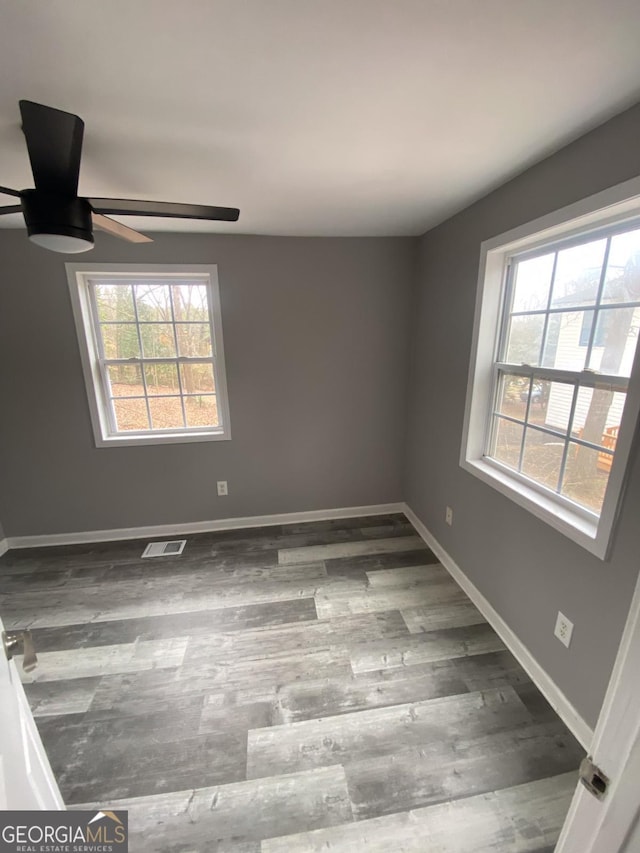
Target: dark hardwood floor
[311, 687]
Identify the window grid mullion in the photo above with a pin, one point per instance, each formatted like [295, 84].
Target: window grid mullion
[553, 433]
[144, 378]
[596, 307]
[173, 394]
[196, 359]
[151, 322]
[574, 309]
[175, 343]
[586, 378]
[524, 426]
[545, 327]
[567, 441]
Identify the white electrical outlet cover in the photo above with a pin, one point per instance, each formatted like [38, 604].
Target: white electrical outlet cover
[563, 629]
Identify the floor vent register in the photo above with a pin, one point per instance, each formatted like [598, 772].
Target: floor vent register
[165, 549]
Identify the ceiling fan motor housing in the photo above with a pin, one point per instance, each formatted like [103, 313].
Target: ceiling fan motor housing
[45, 213]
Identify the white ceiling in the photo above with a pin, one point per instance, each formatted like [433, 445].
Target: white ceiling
[315, 117]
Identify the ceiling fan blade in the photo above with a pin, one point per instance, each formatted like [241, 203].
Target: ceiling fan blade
[54, 142]
[12, 208]
[7, 191]
[132, 207]
[103, 223]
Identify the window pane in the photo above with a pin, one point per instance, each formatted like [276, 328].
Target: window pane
[120, 341]
[598, 416]
[152, 302]
[131, 414]
[161, 379]
[562, 348]
[586, 476]
[125, 380]
[513, 393]
[201, 411]
[157, 340]
[525, 338]
[542, 457]
[194, 339]
[615, 341]
[152, 344]
[190, 302]
[578, 272]
[506, 442]
[197, 378]
[622, 281]
[166, 412]
[551, 405]
[533, 279]
[115, 303]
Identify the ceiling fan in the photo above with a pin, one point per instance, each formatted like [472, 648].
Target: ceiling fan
[57, 218]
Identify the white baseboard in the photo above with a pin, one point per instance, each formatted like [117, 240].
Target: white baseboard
[549, 689]
[4, 546]
[164, 530]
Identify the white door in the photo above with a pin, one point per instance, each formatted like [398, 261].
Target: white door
[611, 825]
[26, 780]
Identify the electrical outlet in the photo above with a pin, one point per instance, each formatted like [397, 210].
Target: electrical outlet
[564, 629]
[222, 488]
[449, 516]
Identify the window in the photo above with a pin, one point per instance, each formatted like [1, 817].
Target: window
[553, 392]
[151, 346]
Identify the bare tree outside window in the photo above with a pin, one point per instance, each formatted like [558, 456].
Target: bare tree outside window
[158, 353]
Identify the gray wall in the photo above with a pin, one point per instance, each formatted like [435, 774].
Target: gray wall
[315, 334]
[526, 570]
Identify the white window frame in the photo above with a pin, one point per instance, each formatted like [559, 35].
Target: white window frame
[85, 320]
[613, 206]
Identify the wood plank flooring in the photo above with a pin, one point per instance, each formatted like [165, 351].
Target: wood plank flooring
[289, 689]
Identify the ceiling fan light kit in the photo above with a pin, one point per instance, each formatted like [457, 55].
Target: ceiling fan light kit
[56, 217]
[58, 223]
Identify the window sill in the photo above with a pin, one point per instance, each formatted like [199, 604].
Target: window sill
[163, 438]
[583, 530]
